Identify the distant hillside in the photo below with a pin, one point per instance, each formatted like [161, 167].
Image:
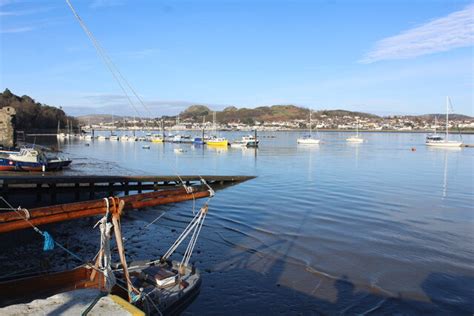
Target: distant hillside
[442, 116]
[263, 114]
[32, 115]
[98, 118]
[273, 113]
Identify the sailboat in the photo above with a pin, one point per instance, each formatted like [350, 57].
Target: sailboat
[214, 140]
[436, 140]
[308, 140]
[356, 138]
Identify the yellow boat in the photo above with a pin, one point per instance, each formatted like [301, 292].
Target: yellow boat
[217, 141]
[156, 140]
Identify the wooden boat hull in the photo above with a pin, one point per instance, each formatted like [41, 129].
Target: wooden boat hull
[171, 299]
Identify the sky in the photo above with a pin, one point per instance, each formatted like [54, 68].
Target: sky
[383, 57]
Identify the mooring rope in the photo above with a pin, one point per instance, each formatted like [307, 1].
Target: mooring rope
[77, 257]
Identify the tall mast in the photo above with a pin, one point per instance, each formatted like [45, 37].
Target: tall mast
[357, 128]
[310, 130]
[447, 117]
[214, 122]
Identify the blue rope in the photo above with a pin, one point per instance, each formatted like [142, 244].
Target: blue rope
[134, 297]
[48, 241]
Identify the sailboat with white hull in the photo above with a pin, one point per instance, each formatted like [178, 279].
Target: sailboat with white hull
[356, 138]
[308, 140]
[437, 140]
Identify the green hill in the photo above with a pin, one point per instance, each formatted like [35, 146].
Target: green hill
[263, 114]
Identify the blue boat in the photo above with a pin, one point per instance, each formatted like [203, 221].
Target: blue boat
[199, 141]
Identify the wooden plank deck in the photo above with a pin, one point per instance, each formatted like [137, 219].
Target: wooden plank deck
[82, 187]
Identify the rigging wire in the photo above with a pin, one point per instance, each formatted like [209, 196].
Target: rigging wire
[109, 63]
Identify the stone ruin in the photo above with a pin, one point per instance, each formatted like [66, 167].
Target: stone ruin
[7, 127]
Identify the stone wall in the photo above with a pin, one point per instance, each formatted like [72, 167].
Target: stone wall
[7, 128]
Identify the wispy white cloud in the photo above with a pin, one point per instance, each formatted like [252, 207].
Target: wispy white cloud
[17, 30]
[452, 31]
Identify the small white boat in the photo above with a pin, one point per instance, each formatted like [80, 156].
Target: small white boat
[146, 146]
[124, 138]
[436, 140]
[114, 137]
[356, 138]
[177, 139]
[246, 141]
[179, 150]
[308, 140]
[132, 139]
[102, 137]
[88, 137]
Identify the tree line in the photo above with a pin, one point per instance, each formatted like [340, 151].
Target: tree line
[32, 115]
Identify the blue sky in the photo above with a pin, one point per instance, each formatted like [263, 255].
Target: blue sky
[384, 57]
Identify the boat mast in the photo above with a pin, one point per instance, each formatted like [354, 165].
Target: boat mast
[214, 122]
[310, 123]
[357, 128]
[447, 117]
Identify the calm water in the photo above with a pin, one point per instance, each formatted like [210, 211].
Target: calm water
[372, 228]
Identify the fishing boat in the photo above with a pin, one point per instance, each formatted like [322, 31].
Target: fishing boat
[217, 141]
[214, 140]
[199, 141]
[247, 141]
[156, 138]
[113, 137]
[355, 138]
[30, 159]
[308, 139]
[436, 140]
[153, 286]
[177, 139]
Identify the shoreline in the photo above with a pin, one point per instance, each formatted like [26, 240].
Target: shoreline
[49, 133]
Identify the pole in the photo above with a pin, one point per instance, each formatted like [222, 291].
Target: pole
[447, 116]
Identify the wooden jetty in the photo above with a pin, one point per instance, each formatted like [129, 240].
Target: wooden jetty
[52, 188]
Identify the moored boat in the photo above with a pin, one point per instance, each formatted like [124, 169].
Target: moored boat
[355, 138]
[308, 139]
[217, 141]
[31, 159]
[436, 140]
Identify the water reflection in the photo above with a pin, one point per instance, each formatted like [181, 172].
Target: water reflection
[336, 228]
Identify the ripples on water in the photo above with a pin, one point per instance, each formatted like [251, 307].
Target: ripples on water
[335, 228]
